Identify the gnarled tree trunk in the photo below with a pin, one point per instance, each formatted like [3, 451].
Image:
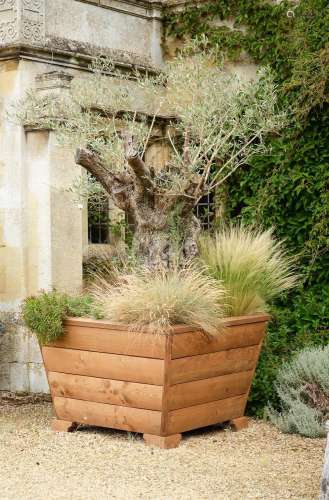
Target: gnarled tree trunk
[158, 238]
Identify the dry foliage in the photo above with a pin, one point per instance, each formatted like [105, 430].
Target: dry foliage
[106, 262]
[252, 266]
[155, 300]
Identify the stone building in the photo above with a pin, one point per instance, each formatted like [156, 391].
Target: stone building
[43, 232]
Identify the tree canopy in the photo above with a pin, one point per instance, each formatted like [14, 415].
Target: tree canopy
[211, 121]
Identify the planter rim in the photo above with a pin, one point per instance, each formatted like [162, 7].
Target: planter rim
[106, 324]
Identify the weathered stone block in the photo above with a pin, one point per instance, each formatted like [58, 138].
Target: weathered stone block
[37, 378]
[34, 354]
[4, 376]
[19, 377]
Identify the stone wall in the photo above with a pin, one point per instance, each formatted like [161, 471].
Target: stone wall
[21, 367]
[42, 229]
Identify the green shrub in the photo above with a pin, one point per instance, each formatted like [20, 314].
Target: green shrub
[303, 390]
[250, 264]
[44, 314]
[298, 322]
[157, 299]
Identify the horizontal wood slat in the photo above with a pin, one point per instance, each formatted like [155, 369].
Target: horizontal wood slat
[105, 415]
[215, 412]
[232, 337]
[209, 389]
[102, 365]
[213, 364]
[107, 325]
[101, 390]
[247, 319]
[103, 374]
[87, 338]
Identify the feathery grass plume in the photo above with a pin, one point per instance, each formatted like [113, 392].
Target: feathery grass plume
[303, 389]
[155, 300]
[253, 267]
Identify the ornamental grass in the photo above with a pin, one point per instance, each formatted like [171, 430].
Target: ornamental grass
[157, 299]
[251, 265]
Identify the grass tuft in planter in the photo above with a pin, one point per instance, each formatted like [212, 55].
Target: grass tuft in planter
[251, 265]
[158, 299]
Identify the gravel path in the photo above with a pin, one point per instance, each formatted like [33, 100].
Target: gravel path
[93, 463]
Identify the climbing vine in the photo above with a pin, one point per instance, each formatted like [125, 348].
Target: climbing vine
[287, 188]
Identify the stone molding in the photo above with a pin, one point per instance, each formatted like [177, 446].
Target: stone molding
[24, 34]
[54, 55]
[140, 8]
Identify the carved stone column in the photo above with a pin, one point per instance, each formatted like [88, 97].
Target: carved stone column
[22, 21]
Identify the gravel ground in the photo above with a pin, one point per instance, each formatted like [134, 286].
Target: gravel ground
[93, 463]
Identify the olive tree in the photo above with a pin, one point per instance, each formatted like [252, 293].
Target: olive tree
[211, 121]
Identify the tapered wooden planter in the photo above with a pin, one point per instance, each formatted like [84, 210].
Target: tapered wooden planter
[161, 386]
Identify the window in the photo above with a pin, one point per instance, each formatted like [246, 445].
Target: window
[98, 222]
[205, 211]
[99, 219]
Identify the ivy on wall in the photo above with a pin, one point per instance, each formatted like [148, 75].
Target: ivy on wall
[287, 188]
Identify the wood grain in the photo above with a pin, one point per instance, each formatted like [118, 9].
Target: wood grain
[232, 337]
[166, 385]
[108, 325]
[63, 425]
[247, 319]
[163, 442]
[215, 412]
[101, 390]
[103, 374]
[253, 373]
[105, 415]
[237, 424]
[102, 365]
[96, 339]
[209, 389]
[213, 364]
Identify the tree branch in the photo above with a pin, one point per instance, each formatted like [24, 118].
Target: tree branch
[186, 153]
[138, 166]
[117, 185]
[141, 171]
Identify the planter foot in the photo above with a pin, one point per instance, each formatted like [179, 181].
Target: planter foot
[63, 425]
[164, 442]
[240, 423]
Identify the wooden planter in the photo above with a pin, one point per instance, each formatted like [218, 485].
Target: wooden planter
[161, 386]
